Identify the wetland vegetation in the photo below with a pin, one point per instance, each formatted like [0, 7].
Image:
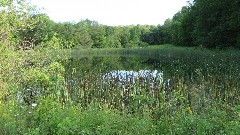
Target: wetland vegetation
[169, 90]
[88, 78]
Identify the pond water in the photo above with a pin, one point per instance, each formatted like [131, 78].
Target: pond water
[123, 76]
[115, 65]
[114, 76]
[116, 69]
[186, 79]
[135, 83]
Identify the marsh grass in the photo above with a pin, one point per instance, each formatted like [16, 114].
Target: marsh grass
[217, 71]
[201, 79]
[72, 97]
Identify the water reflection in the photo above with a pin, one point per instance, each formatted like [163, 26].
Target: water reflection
[123, 77]
[117, 71]
[113, 76]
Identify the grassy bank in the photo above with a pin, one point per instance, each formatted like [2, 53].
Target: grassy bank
[204, 96]
[149, 50]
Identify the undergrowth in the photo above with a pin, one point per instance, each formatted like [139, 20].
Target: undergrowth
[37, 97]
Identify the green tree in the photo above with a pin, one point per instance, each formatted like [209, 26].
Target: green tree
[44, 27]
[212, 24]
[82, 35]
[113, 37]
[183, 24]
[53, 42]
[98, 36]
[36, 35]
[15, 18]
[158, 34]
[135, 32]
[124, 36]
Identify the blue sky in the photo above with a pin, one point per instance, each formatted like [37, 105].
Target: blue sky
[111, 12]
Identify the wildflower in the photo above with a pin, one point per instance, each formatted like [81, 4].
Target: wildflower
[34, 104]
[188, 109]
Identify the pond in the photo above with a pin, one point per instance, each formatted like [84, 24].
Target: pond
[105, 77]
[124, 81]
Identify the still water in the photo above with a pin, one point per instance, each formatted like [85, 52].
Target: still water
[115, 77]
[117, 69]
[121, 80]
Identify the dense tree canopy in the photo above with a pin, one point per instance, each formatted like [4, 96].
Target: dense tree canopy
[15, 23]
[205, 23]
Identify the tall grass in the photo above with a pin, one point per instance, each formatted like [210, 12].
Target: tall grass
[197, 94]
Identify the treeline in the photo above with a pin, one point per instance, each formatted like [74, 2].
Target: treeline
[22, 27]
[205, 23]
[86, 34]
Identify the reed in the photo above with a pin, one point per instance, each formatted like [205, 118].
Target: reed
[166, 89]
[191, 78]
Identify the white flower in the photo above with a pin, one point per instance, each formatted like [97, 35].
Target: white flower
[34, 104]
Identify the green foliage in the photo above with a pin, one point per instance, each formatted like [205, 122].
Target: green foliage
[155, 37]
[82, 35]
[53, 43]
[98, 36]
[49, 118]
[113, 37]
[195, 106]
[14, 19]
[42, 92]
[43, 28]
[204, 23]
[194, 25]
[208, 24]
[86, 34]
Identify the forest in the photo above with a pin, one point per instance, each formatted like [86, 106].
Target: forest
[210, 24]
[181, 77]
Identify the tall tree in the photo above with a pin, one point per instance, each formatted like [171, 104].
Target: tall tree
[215, 23]
[125, 36]
[15, 18]
[113, 37]
[98, 36]
[82, 35]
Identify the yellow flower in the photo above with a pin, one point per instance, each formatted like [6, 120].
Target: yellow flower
[188, 109]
